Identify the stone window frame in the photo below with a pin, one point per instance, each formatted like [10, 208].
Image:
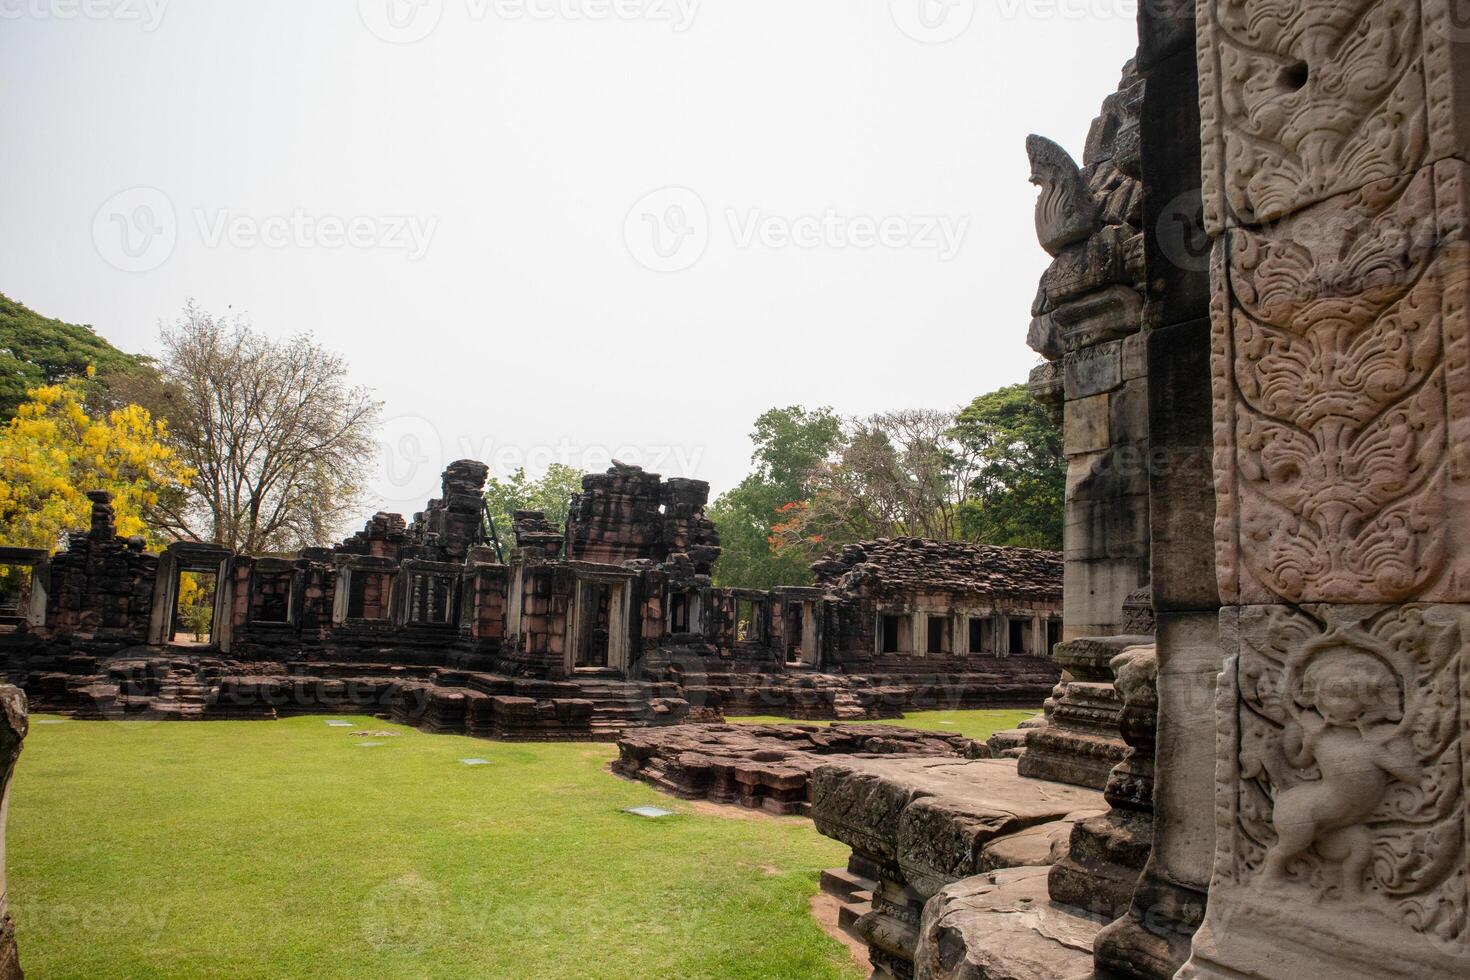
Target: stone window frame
[619, 625]
[1029, 619]
[38, 560]
[402, 599]
[349, 565]
[276, 566]
[906, 631]
[693, 609]
[811, 646]
[927, 618]
[190, 556]
[760, 614]
[989, 619]
[1048, 620]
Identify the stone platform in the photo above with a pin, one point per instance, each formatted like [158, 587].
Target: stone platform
[927, 823]
[766, 767]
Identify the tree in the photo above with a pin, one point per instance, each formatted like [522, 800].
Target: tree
[552, 494]
[36, 351]
[280, 442]
[898, 473]
[790, 445]
[52, 452]
[1019, 491]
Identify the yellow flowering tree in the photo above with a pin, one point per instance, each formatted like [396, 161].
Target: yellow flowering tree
[53, 452]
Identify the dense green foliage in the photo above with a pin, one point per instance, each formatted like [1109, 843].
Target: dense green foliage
[36, 350]
[291, 849]
[992, 473]
[1018, 495]
[790, 444]
[551, 494]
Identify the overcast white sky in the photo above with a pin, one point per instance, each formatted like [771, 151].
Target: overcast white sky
[546, 229]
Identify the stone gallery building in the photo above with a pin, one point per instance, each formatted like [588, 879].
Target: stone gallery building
[562, 632]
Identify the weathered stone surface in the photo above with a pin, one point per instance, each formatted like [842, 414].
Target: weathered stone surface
[14, 724]
[766, 766]
[959, 806]
[1003, 926]
[627, 630]
[1040, 846]
[1338, 492]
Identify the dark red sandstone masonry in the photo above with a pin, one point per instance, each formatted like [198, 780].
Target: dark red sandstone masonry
[610, 624]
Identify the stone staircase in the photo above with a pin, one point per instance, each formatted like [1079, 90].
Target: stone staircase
[846, 706]
[619, 705]
[180, 697]
[853, 888]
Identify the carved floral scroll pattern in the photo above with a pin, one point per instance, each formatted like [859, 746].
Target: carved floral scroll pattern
[1314, 99]
[1338, 322]
[1416, 829]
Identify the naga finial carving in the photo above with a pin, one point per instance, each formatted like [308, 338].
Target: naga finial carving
[1066, 212]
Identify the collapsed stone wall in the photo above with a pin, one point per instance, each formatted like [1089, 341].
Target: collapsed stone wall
[434, 601]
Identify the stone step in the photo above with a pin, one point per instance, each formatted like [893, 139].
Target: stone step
[848, 913]
[843, 884]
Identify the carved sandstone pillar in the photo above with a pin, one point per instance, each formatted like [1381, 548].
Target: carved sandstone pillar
[13, 726]
[1153, 940]
[1337, 195]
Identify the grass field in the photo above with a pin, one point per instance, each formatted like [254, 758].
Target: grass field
[978, 725]
[290, 849]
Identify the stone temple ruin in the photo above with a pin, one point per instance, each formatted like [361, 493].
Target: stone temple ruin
[579, 632]
[1255, 755]
[1257, 344]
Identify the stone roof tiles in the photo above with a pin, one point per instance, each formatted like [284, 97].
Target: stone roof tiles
[906, 565]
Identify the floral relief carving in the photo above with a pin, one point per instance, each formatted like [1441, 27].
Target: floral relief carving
[1338, 335]
[1351, 765]
[1307, 100]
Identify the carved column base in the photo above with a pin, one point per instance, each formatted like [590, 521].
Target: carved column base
[1152, 941]
[1341, 817]
[1105, 856]
[9, 952]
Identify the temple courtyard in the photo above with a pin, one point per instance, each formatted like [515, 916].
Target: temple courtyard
[348, 847]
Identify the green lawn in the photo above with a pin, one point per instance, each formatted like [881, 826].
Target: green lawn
[288, 849]
[978, 725]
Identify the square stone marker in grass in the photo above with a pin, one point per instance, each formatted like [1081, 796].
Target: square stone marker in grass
[50, 721]
[651, 812]
[475, 762]
[340, 724]
[368, 745]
